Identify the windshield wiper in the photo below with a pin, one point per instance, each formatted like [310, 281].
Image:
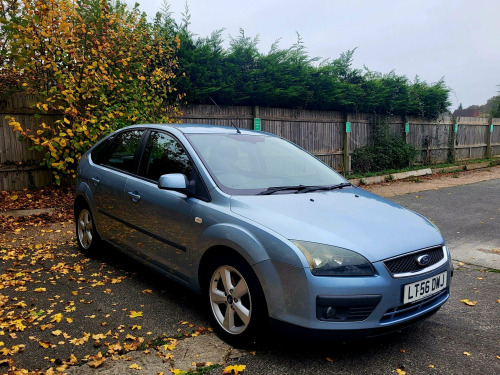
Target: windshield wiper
[273, 190]
[331, 187]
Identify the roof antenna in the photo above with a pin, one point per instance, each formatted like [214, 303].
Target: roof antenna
[234, 126]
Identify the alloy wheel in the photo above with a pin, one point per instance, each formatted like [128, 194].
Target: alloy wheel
[230, 300]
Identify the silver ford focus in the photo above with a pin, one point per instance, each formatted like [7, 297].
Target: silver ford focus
[267, 233]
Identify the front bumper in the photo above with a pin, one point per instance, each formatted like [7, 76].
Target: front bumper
[365, 306]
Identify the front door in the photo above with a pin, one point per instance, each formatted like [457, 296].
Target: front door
[160, 220]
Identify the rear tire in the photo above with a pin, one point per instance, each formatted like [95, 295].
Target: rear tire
[236, 302]
[86, 235]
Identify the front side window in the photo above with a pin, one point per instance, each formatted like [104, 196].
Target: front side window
[163, 154]
[119, 152]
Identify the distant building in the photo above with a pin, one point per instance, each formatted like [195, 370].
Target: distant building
[466, 112]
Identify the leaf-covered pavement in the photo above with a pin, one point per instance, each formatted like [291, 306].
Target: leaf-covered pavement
[60, 309]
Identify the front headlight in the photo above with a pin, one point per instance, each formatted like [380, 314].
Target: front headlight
[326, 260]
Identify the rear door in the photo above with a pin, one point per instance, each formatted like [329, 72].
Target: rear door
[115, 161]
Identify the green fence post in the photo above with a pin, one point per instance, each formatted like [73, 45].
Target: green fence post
[453, 133]
[488, 139]
[347, 137]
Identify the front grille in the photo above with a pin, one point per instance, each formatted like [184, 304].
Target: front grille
[408, 263]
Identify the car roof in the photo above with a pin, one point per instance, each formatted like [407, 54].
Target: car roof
[198, 128]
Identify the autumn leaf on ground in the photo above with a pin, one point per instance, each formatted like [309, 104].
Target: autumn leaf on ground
[135, 366]
[136, 327]
[469, 303]
[72, 360]
[234, 369]
[467, 354]
[44, 344]
[147, 291]
[329, 359]
[40, 290]
[97, 360]
[56, 318]
[135, 314]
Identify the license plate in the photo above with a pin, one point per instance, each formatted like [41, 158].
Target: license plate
[419, 290]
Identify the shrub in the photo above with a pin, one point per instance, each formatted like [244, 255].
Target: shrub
[386, 152]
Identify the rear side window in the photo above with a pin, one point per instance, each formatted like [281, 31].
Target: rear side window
[119, 152]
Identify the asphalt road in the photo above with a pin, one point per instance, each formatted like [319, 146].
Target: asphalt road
[459, 339]
[467, 215]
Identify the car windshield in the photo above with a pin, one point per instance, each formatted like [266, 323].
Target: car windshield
[257, 164]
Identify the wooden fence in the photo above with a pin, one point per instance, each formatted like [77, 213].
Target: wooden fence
[324, 133]
[331, 136]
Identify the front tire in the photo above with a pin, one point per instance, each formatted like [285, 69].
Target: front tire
[236, 301]
[86, 235]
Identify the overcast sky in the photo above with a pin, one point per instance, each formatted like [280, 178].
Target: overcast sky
[455, 39]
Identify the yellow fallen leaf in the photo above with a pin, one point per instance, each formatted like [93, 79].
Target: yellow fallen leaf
[69, 320]
[469, 303]
[13, 197]
[431, 366]
[135, 366]
[56, 332]
[329, 359]
[400, 372]
[97, 360]
[56, 318]
[40, 290]
[136, 327]
[467, 354]
[234, 369]
[147, 291]
[44, 344]
[498, 300]
[135, 314]
[72, 360]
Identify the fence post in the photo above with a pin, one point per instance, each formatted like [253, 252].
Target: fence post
[347, 137]
[453, 133]
[488, 140]
[406, 129]
[256, 118]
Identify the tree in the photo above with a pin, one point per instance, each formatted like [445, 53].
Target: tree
[96, 63]
[495, 111]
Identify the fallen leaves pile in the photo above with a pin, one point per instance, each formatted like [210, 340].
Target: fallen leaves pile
[60, 200]
[52, 311]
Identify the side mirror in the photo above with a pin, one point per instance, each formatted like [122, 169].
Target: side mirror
[173, 181]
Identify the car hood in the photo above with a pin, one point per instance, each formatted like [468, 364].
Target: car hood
[350, 218]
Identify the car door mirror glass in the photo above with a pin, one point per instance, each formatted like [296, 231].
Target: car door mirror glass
[173, 181]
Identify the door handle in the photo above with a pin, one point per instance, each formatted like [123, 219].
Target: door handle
[95, 180]
[134, 195]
